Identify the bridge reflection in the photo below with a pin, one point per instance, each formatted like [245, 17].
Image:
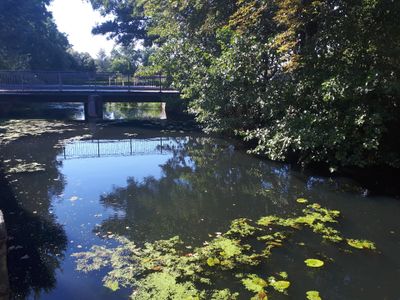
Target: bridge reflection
[116, 148]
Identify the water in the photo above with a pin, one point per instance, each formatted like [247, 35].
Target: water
[157, 182]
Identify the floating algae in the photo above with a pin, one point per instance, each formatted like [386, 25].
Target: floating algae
[361, 244]
[27, 168]
[15, 129]
[313, 295]
[168, 269]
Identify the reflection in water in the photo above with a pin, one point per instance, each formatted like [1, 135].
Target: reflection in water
[37, 242]
[149, 185]
[203, 185]
[75, 111]
[37, 110]
[128, 111]
[115, 148]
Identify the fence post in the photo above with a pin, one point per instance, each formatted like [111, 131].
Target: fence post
[129, 83]
[160, 83]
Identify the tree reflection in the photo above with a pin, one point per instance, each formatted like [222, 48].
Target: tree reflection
[36, 241]
[205, 184]
[121, 110]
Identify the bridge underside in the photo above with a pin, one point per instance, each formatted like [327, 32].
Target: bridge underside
[92, 100]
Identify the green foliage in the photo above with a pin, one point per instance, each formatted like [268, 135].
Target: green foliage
[165, 286]
[29, 38]
[165, 269]
[82, 61]
[112, 285]
[224, 295]
[254, 283]
[315, 80]
[128, 25]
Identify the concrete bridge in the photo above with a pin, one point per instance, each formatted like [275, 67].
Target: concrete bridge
[91, 88]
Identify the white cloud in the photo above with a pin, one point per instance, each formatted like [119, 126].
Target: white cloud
[76, 18]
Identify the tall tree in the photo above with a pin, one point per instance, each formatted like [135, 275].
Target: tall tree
[317, 80]
[29, 37]
[128, 24]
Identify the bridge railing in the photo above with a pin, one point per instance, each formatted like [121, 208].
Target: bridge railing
[116, 148]
[31, 80]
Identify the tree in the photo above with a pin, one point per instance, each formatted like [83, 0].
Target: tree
[129, 24]
[103, 63]
[311, 80]
[29, 37]
[82, 61]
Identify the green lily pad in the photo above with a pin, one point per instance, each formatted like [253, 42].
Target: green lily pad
[112, 285]
[254, 283]
[284, 275]
[314, 263]
[280, 285]
[313, 295]
[302, 200]
[361, 244]
[211, 261]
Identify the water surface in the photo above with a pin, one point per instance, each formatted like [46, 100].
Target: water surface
[155, 183]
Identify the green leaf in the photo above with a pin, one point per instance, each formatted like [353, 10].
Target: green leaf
[302, 200]
[112, 285]
[313, 295]
[254, 283]
[361, 244]
[211, 261]
[281, 285]
[314, 263]
[284, 275]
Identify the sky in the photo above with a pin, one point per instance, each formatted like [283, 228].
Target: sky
[76, 18]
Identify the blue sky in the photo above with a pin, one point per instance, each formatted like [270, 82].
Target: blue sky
[76, 18]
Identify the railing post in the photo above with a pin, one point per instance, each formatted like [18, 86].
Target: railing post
[129, 83]
[160, 83]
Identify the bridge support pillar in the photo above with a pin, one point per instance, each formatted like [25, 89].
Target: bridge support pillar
[4, 282]
[94, 107]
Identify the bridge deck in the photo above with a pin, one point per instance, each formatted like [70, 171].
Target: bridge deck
[76, 87]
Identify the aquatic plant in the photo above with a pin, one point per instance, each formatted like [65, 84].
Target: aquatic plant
[24, 167]
[314, 263]
[13, 130]
[167, 269]
[313, 295]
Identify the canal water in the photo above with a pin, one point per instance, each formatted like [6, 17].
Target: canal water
[157, 178]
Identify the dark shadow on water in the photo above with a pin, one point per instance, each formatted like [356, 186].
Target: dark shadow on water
[36, 246]
[37, 242]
